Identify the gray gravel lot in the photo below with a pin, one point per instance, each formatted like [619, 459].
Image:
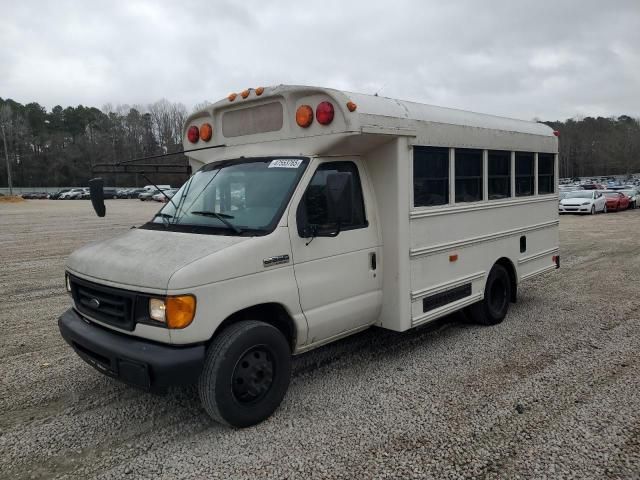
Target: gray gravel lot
[553, 392]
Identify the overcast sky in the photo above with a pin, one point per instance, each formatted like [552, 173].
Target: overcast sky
[526, 59]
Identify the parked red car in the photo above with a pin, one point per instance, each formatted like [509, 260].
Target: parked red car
[616, 201]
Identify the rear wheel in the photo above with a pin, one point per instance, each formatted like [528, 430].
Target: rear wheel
[604, 209]
[246, 374]
[497, 295]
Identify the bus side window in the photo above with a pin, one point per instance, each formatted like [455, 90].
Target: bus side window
[468, 175]
[499, 172]
[430, 176]
[545, 173]
[524, 174]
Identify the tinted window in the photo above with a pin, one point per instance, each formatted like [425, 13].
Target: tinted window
[314, 208]
[468, 175]
[430, 176]
[499, 171]
[524, 174]
[545, 173]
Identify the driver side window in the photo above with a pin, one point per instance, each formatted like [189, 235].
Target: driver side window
[314, 207]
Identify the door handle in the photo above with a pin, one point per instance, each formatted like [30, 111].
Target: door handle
[373, 261]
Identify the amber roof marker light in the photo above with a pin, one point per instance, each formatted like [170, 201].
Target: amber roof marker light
[206, 132]
[351, 106]
[304, 116]
[232, 97]
[259, 91]
[245, 93]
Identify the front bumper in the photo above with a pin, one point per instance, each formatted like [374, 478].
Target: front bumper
[574, 209]
[132, 360]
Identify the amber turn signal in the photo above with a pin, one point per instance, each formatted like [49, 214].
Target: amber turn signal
[206, 131]
[304, 116]
[180, 310]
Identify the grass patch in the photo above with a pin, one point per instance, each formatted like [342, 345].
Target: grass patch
[11, 199]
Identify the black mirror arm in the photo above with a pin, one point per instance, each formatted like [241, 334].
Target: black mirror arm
[312, 230]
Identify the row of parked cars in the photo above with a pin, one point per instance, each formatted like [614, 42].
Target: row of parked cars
[595, 198]
[82, 193]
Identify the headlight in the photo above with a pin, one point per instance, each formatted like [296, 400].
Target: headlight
[67, 282]
[174, 312]
[157, 309]
[586, 203]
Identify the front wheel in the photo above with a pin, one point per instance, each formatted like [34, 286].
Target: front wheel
[246, 374]
[497, 295]
[593, 209]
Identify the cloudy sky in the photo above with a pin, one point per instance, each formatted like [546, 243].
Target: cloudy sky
[527, 59]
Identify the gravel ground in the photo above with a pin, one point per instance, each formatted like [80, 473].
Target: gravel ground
[553, 392]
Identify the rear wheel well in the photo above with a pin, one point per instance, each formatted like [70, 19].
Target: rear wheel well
[272, 313]
[508, 266]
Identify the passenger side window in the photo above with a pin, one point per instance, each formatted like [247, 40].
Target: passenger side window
[430, 176]
[468, 175]
[524, 174]
[314, 208]
[499, 174]
[545, 173]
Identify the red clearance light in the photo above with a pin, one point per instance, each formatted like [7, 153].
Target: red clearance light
[324, 113]
[206, 132]
[556, 133]
[304, 116]
[193, 134]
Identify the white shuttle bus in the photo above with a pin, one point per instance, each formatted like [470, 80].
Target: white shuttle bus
[313, 214]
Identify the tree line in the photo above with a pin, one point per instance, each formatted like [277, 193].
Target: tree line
[60, 146]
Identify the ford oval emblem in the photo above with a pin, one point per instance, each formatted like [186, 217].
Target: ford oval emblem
[94, 303]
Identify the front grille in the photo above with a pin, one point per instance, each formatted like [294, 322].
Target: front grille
[105, 304]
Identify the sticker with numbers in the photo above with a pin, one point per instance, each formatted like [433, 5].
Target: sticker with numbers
[285, 163]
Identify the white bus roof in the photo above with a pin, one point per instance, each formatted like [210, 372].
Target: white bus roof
[265, 115]
[389, 107]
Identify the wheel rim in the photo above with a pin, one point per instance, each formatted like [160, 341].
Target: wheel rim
[253, 375]
[498, 295]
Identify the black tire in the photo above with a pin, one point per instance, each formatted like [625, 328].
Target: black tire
[604, 210]
[246, 374]
[593, 209]
[497, 295]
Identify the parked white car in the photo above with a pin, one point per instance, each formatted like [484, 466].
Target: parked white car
[160, 197]
[582, 201]
[73, 194]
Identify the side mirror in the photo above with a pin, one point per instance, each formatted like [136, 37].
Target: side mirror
[96, 190]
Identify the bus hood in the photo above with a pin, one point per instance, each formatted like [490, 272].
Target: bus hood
[145, 258]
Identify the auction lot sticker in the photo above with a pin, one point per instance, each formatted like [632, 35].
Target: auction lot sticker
[285, 163]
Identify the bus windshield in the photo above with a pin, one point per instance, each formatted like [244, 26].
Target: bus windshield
[244, 196]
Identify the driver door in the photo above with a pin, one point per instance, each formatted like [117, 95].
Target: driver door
[339, 278]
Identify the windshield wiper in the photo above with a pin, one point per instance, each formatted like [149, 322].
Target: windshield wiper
[220, 216]
[165, 218]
